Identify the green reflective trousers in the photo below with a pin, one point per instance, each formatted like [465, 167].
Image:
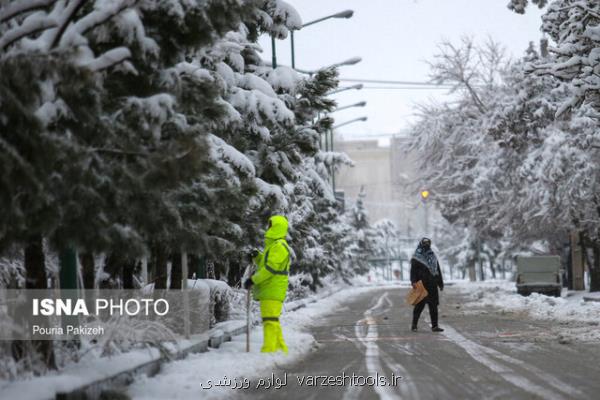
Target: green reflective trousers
[270, 311]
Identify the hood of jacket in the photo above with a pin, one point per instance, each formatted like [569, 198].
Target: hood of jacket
[278, 229]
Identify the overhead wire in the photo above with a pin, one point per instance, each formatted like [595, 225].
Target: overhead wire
[407, 87]
[394, 82]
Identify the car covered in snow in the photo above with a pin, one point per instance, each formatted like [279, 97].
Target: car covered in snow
[539, 274]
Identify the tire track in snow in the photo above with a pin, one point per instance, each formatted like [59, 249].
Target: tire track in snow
[407, 387]
[489, 357]
[367, 333]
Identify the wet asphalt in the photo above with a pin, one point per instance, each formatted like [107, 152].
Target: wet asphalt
[365, 350]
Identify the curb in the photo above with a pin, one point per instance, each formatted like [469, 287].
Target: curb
[197, 344]
[592, 299]
[214, 338]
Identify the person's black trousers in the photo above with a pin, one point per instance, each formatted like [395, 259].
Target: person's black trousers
[433, 312]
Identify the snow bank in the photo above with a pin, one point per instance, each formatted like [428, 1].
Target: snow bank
[184, 379]
[503, 294]
[75, 375]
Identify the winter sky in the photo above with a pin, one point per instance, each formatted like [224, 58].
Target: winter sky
[394, 38]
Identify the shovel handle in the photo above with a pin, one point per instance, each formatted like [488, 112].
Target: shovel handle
[248, 321]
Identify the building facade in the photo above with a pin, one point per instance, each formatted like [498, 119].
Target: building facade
[388, 174]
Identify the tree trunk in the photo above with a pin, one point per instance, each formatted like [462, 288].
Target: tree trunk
[569, 269]
[36, 278]
[478, 260]
[595, 270]
[481, 272]
[491, 256]
[471, 268]
[587, 243]
[35, 266]
[175, 271]
[112, 268]
[220, 269]
[236, 272]
[160, 267]
[493, 268]
[88, 270]
[128, 268]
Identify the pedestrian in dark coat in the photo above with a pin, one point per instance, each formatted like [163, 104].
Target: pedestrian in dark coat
[424, 266]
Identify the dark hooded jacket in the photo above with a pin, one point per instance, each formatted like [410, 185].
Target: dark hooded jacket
[420, 272]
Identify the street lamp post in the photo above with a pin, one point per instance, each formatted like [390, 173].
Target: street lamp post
[273, 53]
[359, 104]
[350, 61]
[349, 122]
[343, 89]
[342, 14]
[424, 197]
[331, 134]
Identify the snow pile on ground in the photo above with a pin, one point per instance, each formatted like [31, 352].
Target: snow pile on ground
[89, 369]
[185, 379]
[571, 306]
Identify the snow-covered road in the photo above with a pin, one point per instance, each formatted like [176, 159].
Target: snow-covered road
[364, 349]
[200, 375]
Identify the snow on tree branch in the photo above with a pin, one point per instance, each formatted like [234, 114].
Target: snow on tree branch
[20, 7]
[519, 6]
[32, 25]
[108, 59]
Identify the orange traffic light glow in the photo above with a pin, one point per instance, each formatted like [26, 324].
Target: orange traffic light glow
[425, 194]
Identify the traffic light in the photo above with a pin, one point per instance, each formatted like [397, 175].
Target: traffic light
[424, 194]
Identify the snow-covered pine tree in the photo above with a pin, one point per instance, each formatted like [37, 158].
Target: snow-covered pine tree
[519, 6]
[136, 133]
[158, 123]
[362, 247]
[274, 125]
[317, 232]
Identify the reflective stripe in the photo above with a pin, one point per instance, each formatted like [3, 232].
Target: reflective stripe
[274, 271]
[270, 319]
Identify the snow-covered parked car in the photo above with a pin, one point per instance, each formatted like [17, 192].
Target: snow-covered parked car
[539, 274]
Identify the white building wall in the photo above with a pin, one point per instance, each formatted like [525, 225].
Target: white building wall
[388, 175]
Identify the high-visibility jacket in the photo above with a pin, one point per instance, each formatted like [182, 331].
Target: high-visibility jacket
[271, 277]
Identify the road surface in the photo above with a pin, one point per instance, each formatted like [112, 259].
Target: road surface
[483, 354]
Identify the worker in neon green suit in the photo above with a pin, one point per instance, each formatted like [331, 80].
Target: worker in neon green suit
[270, 282]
